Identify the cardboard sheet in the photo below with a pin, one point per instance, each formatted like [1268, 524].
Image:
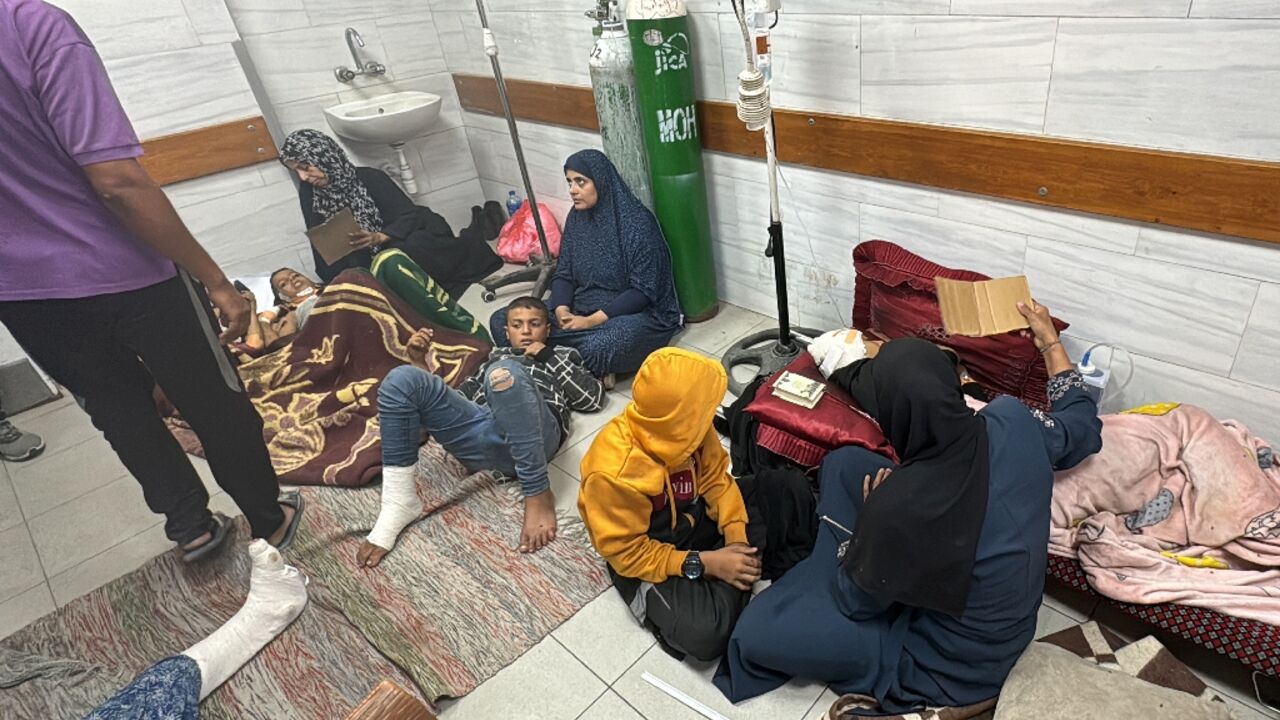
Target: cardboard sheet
[978, 309]
[333, 239]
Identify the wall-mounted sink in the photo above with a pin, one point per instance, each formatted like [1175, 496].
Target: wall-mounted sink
[391, 119]
[386, 119]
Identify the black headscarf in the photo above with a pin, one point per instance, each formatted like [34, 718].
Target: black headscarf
[344, 190]
[917, 534]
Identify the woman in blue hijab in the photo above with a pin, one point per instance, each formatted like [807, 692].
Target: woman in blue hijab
[613, 295]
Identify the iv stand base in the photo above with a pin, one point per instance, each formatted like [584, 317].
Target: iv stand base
[763, 351]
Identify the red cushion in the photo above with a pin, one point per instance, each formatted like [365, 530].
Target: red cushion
[894, 297]
[805, 436]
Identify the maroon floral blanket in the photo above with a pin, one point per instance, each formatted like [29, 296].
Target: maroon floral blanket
[318, 396]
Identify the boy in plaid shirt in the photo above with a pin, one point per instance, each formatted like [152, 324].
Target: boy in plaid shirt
[511, 416]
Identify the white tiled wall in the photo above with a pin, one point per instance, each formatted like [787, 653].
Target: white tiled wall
[1236, 8]
[1198, 312]
[1196, 85]
[978, 72]
[296, 44]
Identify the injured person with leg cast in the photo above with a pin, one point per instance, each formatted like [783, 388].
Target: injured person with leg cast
[511, 416]
[662, 509]
[173, 688]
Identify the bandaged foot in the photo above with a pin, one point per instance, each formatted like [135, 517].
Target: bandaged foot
[277, 594]
[400, 506]
[539, 522]
[837, 349]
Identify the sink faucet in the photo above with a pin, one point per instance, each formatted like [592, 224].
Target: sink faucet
[354, 43]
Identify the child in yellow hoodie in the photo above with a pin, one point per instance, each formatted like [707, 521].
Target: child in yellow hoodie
[662, 509]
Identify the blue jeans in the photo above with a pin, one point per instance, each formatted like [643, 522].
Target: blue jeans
[168, 690]
[515, 433]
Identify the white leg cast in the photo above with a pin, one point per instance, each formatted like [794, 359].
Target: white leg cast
[277, 594]
[400, 506]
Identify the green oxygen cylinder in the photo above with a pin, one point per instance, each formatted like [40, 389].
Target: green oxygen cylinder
[614, 87]
[663, 57]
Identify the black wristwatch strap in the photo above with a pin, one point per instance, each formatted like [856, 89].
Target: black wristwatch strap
[692, 566]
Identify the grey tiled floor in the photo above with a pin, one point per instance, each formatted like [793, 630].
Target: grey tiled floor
[74, 520]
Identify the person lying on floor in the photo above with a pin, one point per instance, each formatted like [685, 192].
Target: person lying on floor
[511, 416]
[330, 183]
[662, 509]
[839, 348]
[924, 583]
[399, 274]
[613, 294]
[268, 329]
[173, 688]
[295, 296]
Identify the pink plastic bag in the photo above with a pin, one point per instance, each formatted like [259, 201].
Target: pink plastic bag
[518, 239]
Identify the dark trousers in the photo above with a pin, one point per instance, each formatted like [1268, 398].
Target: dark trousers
[111, 351]
[688, 617]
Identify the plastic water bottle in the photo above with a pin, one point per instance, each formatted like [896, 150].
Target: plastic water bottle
[513, 203]
[1095, 378]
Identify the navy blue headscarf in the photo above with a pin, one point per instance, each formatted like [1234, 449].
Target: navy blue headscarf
[615, 246]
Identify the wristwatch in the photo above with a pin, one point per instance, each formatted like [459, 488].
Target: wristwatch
[692, 566]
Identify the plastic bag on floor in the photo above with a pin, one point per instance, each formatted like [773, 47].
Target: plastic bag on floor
[518, 239]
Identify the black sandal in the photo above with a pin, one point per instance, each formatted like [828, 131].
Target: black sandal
[219, 531]
[294, 500]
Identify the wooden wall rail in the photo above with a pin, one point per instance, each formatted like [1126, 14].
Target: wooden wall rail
[214, 149]
[1198, 192]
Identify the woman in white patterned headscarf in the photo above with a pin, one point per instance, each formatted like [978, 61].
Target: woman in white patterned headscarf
[331, 183]
[388, 218]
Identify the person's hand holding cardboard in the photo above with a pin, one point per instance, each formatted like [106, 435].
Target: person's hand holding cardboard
[332, 239]
[979, 309]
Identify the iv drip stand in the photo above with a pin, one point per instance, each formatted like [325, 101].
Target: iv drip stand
[781, 347]
[541, 273]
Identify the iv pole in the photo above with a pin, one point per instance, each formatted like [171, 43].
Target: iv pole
[756, 111]
[541, 273]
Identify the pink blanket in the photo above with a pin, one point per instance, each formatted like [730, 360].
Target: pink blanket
[1175, 509]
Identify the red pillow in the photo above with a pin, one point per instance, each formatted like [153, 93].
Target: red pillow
[894, 297]
[805, 436]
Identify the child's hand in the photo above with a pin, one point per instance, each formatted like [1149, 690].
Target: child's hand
[735, 564]
[419, 349]
[534, 348]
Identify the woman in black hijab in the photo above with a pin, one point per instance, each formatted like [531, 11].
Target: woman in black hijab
[923, 586]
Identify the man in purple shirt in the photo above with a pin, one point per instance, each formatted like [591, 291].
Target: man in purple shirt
[89, 289]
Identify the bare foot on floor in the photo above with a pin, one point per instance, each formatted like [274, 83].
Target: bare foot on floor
[539, 522]
[197, 542]
[278, 536]
[370, 555]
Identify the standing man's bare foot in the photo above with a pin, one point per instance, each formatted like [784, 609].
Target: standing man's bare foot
[539, 522]
[278, 536]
